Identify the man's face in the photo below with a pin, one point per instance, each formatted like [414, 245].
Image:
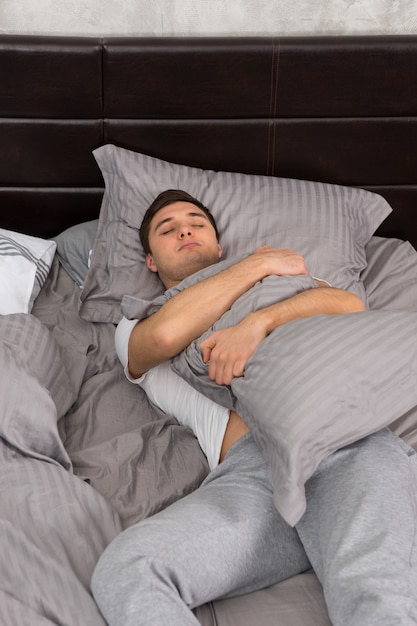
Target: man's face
[182, 241]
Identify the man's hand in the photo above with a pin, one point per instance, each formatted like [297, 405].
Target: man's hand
[227, 351]
[281, 261]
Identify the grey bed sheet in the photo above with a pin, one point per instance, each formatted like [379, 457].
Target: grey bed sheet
[127, 461]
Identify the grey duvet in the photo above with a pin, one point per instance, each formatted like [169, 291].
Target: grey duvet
[77, 444]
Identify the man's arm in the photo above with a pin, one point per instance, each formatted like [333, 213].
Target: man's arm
[228, 350]
[190, 313]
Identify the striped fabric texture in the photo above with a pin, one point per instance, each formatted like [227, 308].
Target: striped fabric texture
[25, 262]
[48, 379]
[329, 224]
[313, 385]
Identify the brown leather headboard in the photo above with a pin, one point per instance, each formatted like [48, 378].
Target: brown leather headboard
[334, 109]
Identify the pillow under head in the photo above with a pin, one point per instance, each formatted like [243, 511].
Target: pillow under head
[329, 224]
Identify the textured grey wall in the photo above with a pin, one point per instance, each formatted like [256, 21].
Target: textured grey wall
[205, 17]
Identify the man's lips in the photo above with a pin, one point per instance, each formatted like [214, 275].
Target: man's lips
[189, 244]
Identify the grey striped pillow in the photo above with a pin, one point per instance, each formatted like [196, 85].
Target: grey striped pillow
[322, 383]
[313, 385]
[329, 224]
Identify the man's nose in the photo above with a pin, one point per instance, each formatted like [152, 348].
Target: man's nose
[185, 231]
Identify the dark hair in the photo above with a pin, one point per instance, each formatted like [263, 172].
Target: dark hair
[165, 198]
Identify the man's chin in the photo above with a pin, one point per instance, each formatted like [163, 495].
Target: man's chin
[190, 264]
[194, 264]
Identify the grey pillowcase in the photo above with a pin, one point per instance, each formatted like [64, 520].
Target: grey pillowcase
[313, 386]
[39, 382]
[316, 385]
[390, 279]
[73, 247]
[329, 224]
[390, 276]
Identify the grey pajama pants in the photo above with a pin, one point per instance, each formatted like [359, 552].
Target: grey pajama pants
[227, 538]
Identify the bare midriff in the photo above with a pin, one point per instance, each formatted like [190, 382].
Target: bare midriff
[235, 429]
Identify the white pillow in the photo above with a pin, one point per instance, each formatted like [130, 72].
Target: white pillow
[25, 262]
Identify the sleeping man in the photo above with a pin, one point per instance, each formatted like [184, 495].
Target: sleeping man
[227, 538]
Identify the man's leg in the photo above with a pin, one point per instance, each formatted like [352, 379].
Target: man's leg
[359, 532]
[224, 539]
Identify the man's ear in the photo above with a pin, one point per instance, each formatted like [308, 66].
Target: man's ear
[150, 264]
[220, 250]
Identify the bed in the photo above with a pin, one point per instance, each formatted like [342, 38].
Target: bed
[83, 455]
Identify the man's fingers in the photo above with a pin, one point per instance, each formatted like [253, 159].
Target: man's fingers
[223, 372]
[206, 347]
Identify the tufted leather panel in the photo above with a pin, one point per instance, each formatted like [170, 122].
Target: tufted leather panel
[50, 77]
[194, 78]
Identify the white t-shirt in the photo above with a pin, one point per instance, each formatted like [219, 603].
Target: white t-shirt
[174, 396]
